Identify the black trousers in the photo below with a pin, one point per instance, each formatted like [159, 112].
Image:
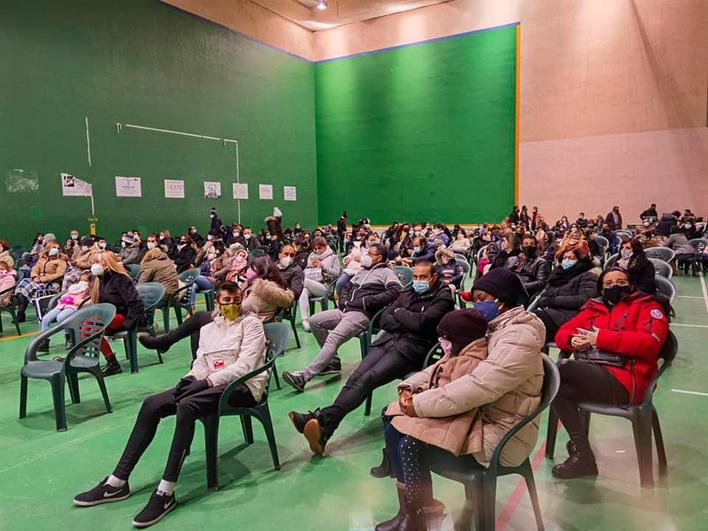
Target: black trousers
[550, 324]
[582, 381]
[188, 410]
[383, 364]
[190, 328]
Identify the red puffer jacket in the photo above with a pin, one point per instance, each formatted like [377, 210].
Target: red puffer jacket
[636, 327]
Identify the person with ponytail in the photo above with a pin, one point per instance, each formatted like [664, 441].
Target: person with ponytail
[616, 340]
[113, 285]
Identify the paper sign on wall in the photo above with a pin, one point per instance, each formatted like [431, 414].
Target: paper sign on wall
[212, 190]
[128, 187]
[72, 186]
[174, 189]
[240, 190]
[290, 193]
[265, 191]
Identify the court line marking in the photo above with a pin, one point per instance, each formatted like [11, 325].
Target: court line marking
[515, 499]
[26, 334]
[705, 291]
[688, 325]
[689, 392]
[689, 297]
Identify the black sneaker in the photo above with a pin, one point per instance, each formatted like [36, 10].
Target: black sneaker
[157, 507]
[578, 465]
[295, 380]
[384, 469]
[334, 367]
[102, 493]
[112, 367]
[316, 436]
[300, 419]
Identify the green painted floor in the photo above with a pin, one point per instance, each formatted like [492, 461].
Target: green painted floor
[41, 470]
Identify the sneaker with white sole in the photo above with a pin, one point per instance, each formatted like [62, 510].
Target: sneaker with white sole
[102, 493]
[159, 504]
[295, 380]
[306, 325]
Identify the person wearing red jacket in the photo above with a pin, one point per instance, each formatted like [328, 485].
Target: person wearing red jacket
[623, 321]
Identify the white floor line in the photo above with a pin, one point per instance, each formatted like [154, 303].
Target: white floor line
[689, 297]
[705, 292]
[689, 392]
[688, 325]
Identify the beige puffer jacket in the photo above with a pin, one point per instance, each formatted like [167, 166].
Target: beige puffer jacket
[506, 385]
[160, 269]
[265, 299]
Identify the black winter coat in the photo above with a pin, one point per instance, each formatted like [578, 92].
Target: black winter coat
[294, 278]
[118, 289]
[183, 258]
[561, 303]
[642, 276]
[533, 274]
[411, 321]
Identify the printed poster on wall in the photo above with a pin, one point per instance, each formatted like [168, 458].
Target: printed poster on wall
[240, 190]
[290, 193]
[174, 189]
[72, 186]
[128, 187]
[265, 191]
[212, 189]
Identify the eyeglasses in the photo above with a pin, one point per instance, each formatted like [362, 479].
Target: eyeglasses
[611, 284]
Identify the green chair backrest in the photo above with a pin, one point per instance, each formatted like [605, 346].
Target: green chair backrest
[661, 268]
[404, 274]
[662, 253]
[133, 270]
[188, 276]
[602, 242]
[464, 263]
[665, 287]
[611, 261]
[278, 335]
[152, 294]
[87, 322]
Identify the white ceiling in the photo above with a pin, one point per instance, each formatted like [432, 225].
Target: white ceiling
[339, 12]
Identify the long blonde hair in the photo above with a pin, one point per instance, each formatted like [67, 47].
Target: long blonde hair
[113, 265]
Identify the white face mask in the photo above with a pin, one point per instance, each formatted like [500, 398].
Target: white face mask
[151, 245]
[367, 261]
[53, 251]
[626, 253]
[123, 245]
[286, 261]
[97, 270]
[74, 236]
[102, 245]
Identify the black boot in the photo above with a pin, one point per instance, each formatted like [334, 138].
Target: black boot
[112, 367]
[393, 523]
[580, 463]
[22, 303]
[384, 469]
[43, 346]
[411, 514]
[161, 343]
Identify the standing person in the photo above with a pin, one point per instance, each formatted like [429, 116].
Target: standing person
[514, 215]
[409, 327]
[113, 285]
[322, 268]
[534, 218]
[216, 226]
[649, 214]
[371, 289]
[45, 276]
[614, 218]
[341, 230]
[524, 216]
[229, 348]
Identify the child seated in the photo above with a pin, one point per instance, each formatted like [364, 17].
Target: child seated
[8, 279]
[68, 303]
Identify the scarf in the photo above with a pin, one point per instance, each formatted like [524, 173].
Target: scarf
[560, 276]
[315, 256]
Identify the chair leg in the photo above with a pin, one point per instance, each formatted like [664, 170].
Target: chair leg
[209, 300]
[297, 339]
[551, 433]
[178, 314]
[367, 405]
[58, 382]
[23, 397]
[527, 472]
[132, 350]
[264, 417]
[659, 438]
[489, 494]
[585, 415]
[247, 426]
[211, 446]
[166, 318]
[14, 320]
[72, 381]
[312, 309]
[475, 494]
[641, 425]
[274, 374]
[104, 391]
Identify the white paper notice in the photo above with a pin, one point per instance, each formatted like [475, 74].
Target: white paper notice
[73, 186]
[290, 193]
[265, 191]
[174, 189]
[128, 187]
[212, 190]
[240, 190]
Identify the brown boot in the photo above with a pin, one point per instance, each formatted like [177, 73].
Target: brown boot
[394, 523]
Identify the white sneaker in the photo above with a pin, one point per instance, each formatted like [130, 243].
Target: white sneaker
[306, 325]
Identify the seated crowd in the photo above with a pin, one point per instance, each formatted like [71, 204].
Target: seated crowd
[534, 284]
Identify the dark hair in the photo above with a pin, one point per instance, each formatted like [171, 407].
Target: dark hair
[5, 245]
[229, 287]
[319, 241]
[265, 269]
[379, 248]
[613, 269]
[428, 264]
[638, 255]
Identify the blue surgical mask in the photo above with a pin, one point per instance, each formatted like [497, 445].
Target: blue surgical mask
[420, 286]
[488, 309]
[416, 249]
[567, 263]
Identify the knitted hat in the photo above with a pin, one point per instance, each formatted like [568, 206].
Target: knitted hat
[86, 241]
[128, 239]
[461, 327]
[49, 237]
[503, 284]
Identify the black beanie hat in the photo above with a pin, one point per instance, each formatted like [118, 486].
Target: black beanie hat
[86, 240]
[461, 327]
[503, 284]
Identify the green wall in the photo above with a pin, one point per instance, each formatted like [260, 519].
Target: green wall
[422, 132]
[141, 62]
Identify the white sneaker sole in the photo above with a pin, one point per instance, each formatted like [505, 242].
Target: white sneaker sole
[79, 503]
[153, 522]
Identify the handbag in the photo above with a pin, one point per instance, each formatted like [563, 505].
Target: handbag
[313, 273]
[602, 357]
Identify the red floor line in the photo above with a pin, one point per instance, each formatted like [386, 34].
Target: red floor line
[515, 498]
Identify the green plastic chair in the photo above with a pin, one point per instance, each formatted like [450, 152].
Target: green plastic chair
[480, 482]
[644, 420]
[177, 299]
[665, 287]
[365, 339]
[11, 309]
[405, 275]
[323, 300]
[662, 253]
[87, 327]
[277, 335]
[466, 268]
[133, 271]
[290, 314]
[152, 294]
[611, 261]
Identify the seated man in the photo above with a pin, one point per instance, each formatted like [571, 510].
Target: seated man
[409, 326]
[372, 288]
[533, 270]
[229, 348]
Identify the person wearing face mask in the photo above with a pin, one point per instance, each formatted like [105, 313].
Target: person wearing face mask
[72, 247]
[157, 267]
[533, 270]
[290, 271]
[44, 277]
[322, 268]
[101, 243]
[230, 347]
[8, 279]
[617, 339]
[81, 263]
[461, 243]
[409, 331]
[130, 250]
[641, 270]
[435, 414]
[5, 255]
[265, 292]
[238, 266]
[614, 219]
[184, 253]
[569, 287]
[611, 237]
[422, 251]
[68, 304]
[374, 287]
[448, 269]
[352, 264]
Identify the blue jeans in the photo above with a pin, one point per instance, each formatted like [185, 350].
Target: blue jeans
[56, 314]
[342, 281]
[201, 283]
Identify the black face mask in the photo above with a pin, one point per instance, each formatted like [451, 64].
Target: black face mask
[615, 294]
[529, 251]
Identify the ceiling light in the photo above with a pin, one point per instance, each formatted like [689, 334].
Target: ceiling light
[321, 5]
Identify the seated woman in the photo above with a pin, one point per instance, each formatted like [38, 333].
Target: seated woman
[5, 255]
[322, 268]
[505, 386]
[238, 268]
[623, 321]
[265, 292]
[511, 247]
[8, 279]
[678, 242]
[461, 243]
[569, 287]
[113, 285]
[448, 269]
[641, 270]
[130, 250]
[533, 270]
[221, 265]
[45, 276]
[352, 264]
[157, 267]
[68, 304]
[185, 251]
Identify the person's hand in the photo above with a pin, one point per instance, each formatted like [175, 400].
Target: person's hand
[192, 388]
[407, 406]
[405, 394]
[183, 382]
[579, 344]
[589, 335]
[315, 263]
[346, 260]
